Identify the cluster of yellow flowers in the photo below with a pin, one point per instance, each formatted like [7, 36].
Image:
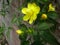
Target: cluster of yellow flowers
[31, 13]
[33, 10]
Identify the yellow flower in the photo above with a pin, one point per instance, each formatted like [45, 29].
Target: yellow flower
[44, 16]
[51, 7]
[19, 32]
[30, 12]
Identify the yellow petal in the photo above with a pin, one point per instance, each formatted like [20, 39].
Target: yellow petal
[30, 5]
[34, 7]
[19, 31]
[51, 9]
[33, 4]
[26, 17]
[30, 21]
[33, 17]
[36, 10]
[24, 10]
[29, 12]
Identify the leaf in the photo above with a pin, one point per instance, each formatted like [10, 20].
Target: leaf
[37, 43]
[37, 40]
[20, 18]
[8, 34]
[47, 36]
[24, 42]
[3, 12]
[2, 28]
[44, 26]
[14, 20]
[52, 15]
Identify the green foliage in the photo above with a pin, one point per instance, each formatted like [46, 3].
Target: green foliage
[44, 26]
[52, 15]
[47, 36]
[38, 33]
[40, 30]
[2, 30]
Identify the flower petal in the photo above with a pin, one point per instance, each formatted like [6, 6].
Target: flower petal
[36, 10]
[29, 5]
[26, 17]
[30, 21]
[32, 18]
[34, 7]
[24, 10]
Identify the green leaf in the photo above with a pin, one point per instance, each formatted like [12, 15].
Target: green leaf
[20, 18]
[14, 20]
[37, 43]
[47, 36]
[3, 12]
[44, 26]
[1, 30]
[23, 27]
[8, 34]
[24, 42]
[52, 15]
[37, 40]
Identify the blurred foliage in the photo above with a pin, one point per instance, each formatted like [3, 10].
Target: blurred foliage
[5, 7]
[38, 33]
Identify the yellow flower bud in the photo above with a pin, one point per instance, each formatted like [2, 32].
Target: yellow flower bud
[51, 8]
[19, 32]
[44, 16]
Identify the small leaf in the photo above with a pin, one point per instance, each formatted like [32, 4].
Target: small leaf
[14, 20]
[44, 26]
